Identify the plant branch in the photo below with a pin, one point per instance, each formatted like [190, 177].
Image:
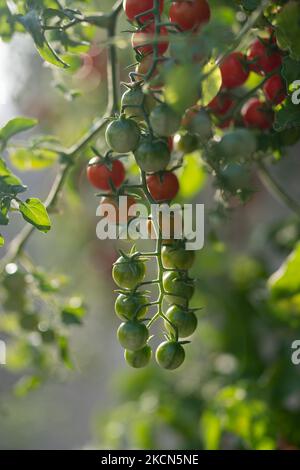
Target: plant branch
[17, 244]
[274, 188]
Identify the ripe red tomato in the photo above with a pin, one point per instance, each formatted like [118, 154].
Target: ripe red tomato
[190, 15]
[133, 8]
[100, 175]
[221, 104]
[163, 186]
[275, 89]
[233, 70]
[143, 39]
[264, 57]
[256, 115]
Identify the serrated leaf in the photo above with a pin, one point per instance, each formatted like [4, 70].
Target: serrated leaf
[285, 282]
[35, 213]
[15, 126]
[33, 159]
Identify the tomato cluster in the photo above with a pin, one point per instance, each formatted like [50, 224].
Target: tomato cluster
[154, 132]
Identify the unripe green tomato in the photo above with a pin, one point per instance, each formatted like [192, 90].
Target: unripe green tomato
[133, 101]
[128, 273]
[152, 155]
[186, 143]
[177, 257]
[122, 135]
[170, 355]
[133, 335]
[185, 321]
[201, 125]
[236, 145]
[130, 306]
[140, 358]
[164, 121]
[179, 289]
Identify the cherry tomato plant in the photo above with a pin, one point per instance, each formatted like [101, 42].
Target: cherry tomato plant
[187, 91]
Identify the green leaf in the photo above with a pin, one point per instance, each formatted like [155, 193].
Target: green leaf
[73, 314]
[288, 20]
[290, 70]
[250, 5]
[33, 159]
[287, 116]
[34, 212]
[32, 23]
[15, 126]
[211, 83]
[285, 282]
[193, 176]
[2, 241]
[182, 87]
[64, 352]
[27, 384]
[10, 185]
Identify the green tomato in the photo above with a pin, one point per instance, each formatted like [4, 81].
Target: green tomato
[133, 100]
[170, 355]
[179, 289]
[164, 121]
[133, 335]
[237, 145]
[131, 306]
[152, 155]
[201, 125]
[177, 257]
[128, 272]
[186, 143]
[140, 358]
[185, 321]
[122, 135]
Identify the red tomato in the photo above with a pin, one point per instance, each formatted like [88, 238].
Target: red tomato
[274, 89]
[142, 40]
[256, 115]
[233, 70]
[264, 58]
[163, 186]
[100, 175]
[221, 104]
[190, 15]
[133, 8]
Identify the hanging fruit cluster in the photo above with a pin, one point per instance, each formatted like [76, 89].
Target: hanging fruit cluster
[159, 136]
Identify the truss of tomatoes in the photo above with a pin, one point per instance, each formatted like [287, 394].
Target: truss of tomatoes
[152, 151]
